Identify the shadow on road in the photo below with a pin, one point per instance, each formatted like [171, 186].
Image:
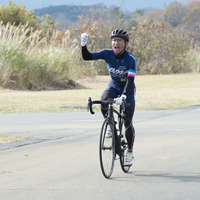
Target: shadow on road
[153, 176]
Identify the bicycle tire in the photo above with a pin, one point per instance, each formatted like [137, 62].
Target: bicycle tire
[124, 149]
[122, 158]
[107, 149]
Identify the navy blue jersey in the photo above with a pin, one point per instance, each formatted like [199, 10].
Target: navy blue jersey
[119, 68]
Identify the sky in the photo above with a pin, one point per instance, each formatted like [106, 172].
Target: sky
[129, 5]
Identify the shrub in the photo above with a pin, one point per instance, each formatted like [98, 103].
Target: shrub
[17, 14]
[158, 49]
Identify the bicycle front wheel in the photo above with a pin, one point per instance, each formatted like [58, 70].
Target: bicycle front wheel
[107, 149]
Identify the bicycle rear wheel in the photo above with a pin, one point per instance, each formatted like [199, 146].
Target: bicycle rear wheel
[107, 149]
[124, 149]
[122, 159]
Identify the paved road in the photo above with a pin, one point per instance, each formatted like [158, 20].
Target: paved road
[60, 160]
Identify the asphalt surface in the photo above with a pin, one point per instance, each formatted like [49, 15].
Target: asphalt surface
[59, 160]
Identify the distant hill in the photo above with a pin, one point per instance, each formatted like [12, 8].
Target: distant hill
[66, 15]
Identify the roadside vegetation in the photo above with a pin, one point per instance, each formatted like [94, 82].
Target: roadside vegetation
[154, 92]
[36, 55]
[6, 139]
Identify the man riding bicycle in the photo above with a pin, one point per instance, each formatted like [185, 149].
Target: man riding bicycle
[121, 65]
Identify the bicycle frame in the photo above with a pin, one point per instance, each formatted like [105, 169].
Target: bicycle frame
[110, 114]
[120, 144]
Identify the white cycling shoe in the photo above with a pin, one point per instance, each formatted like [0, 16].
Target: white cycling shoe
[129, 159]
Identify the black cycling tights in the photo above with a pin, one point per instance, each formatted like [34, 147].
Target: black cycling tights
[130, 131]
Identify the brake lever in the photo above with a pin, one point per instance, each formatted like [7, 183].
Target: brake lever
[89, 108]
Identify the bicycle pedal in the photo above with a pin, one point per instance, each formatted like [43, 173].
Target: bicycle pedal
[123, 142]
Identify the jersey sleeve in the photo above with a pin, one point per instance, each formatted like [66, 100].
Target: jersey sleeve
[132, 68]
[86, 54]
[131, 75]
[99, 55]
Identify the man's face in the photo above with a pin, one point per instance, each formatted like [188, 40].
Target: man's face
[118, 44]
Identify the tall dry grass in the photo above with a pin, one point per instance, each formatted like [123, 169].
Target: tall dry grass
[31, 60]
[41, 59]
[193, 57]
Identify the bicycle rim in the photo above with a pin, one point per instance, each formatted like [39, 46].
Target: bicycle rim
[107, 150]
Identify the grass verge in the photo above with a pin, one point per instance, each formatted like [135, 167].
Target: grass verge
[6, 139]
[153, 92]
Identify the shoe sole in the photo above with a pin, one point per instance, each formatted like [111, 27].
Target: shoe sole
[128, 165]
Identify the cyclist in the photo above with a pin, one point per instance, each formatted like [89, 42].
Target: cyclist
[122, 69]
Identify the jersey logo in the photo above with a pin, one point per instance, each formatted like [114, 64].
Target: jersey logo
[118, 72]
[123, 79]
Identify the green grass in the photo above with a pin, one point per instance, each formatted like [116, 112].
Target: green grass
[6, 139]
[168, 91]
[153, 92]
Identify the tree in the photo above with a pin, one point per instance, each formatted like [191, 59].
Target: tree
[158, 49]
[174, 13]
[16, 14]
[191, 23]
[193, 4]
[156, 15]
[130, 24]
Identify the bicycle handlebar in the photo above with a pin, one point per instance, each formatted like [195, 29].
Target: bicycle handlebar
[109, 101]
[90, 102]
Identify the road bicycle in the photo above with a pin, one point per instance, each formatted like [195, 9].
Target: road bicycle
[112, 138]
